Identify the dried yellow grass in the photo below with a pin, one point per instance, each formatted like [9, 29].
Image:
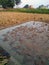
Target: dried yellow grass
[8, 19]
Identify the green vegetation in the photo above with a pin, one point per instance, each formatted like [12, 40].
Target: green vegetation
[9, 3]
[3, 60]
[27, 10]
[4, 56]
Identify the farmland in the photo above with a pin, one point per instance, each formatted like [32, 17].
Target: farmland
[27, 42]
[8, 19]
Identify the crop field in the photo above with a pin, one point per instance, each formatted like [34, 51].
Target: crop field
[8, 19]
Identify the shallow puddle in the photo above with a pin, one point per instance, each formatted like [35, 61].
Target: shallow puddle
[29, 40]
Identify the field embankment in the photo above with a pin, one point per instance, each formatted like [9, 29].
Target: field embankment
[27, 10]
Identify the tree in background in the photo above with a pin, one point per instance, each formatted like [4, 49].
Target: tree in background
[18, 1]
[9, 3]
[26, 6]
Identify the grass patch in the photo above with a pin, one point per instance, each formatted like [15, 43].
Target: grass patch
[27, 10]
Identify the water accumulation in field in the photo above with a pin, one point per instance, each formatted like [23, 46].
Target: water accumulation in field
[28, 43]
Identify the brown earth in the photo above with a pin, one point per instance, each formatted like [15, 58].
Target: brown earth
[8, 19]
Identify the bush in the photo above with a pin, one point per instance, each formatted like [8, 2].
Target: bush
[7, 3]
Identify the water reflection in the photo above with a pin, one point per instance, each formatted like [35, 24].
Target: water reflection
[26, 42]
